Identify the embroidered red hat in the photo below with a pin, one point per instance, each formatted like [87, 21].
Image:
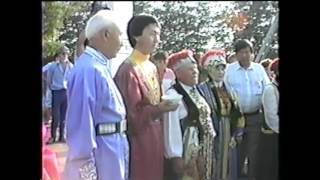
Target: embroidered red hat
[266, 62]
[213, 57]
[176, 60]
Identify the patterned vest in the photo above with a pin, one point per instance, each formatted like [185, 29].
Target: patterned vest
[192, 118]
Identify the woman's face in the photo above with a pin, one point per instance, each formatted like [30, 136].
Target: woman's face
[217, 72]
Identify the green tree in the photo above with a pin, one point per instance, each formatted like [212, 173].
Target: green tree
[183, 25]
[141, 7]
[186, 25]
[53, 16]
[74, 24]
[260, 15]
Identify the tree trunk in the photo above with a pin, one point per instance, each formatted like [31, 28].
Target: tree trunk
[265, 48]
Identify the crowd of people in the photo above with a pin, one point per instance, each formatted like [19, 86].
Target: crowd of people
[178, 116]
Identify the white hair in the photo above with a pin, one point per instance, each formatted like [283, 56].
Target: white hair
[102, 19]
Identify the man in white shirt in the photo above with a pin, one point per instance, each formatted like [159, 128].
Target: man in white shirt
[248, 79]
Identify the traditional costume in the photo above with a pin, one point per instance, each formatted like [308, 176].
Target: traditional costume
[227, 118]
[138, 81]
[188, 131]
[98, 146]
[269, 138]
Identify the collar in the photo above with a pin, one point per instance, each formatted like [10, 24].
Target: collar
[65, 62]
[240, 67]
[99, 56]
[218, 84]
[138, 57]
[186, 87]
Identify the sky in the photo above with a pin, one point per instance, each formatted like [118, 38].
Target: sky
[124, 9]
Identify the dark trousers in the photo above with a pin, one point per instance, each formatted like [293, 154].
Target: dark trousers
[249, 146]
[268, 161]
[168, 171]
[59, 108]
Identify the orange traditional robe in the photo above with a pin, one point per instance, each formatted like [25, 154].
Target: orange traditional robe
[138, 82]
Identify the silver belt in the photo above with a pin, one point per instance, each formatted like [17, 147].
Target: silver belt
[111, 128]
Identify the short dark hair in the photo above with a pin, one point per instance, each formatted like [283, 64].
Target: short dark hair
[136, 26]
[241, 44]
[160, 56]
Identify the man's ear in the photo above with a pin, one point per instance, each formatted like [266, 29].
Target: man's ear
[106, 33]
[136, 38]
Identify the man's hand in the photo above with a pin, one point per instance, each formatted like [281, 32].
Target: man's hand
[167, 106]
[239, 139]
[233, 142]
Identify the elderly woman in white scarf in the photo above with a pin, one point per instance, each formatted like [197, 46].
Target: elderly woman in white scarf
[228, 120]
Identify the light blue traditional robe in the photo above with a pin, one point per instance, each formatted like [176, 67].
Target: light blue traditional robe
[94, 98]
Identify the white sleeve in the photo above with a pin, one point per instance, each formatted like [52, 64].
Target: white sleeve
[226, 79]
[265, 78]
[270, 107]
[172, 131]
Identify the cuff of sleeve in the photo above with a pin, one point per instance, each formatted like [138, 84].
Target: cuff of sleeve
[88, 171]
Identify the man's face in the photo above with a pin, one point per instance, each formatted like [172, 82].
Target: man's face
[150, 38]
[188, 74]
[244, 55]
[113, 41]
[63, 56]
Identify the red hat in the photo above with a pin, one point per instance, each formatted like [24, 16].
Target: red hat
[274, 65]
[214, 57]
[266, 62]
[176, 60]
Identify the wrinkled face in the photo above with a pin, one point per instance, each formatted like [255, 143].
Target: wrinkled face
[188, 74]
[149, 39]
[112, 38]
[244, 55]
[216, 72]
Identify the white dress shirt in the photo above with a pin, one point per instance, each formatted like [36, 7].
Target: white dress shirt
[218, 84]
[173, 140]
[248, 84]
[270, 101]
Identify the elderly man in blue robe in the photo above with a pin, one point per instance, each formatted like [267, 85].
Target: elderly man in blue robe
[96, 125]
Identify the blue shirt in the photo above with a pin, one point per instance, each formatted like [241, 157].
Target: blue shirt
[248, 84]
[57, 77]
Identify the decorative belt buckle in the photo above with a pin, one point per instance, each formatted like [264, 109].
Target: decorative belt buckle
[107, 128]
[123, 125]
